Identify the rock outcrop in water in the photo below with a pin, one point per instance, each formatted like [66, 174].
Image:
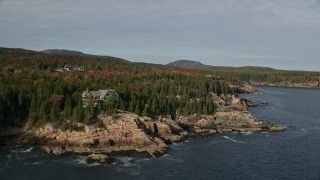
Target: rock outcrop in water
[126, 133]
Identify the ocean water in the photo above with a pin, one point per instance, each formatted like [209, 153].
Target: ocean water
[292, 154]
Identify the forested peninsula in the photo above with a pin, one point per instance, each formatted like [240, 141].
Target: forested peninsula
[74, 103]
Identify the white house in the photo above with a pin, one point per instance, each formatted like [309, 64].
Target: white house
[99, 95]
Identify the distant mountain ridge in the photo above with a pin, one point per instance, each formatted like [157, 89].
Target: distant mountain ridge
[65, 52]
[185, 64]
[189, 64]
[62, 52]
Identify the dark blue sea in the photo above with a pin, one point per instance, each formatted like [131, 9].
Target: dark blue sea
[292, 154]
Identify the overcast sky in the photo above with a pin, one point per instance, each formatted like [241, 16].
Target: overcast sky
[283, 34]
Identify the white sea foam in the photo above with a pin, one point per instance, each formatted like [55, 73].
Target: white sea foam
[233, 140]
[80, 161]
[37, 163]
[22, 150]
[246, 133]
[34, 163]
[177, 145]
[171, 158]
[127, 161]
[28, 150]
[143, 159]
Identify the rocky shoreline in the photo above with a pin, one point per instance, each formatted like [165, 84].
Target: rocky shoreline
[128, 133]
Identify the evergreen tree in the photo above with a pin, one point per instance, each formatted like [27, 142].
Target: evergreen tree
[137, 109]
[78, 112]
[54, 116]
[33, 111]
[68, 108]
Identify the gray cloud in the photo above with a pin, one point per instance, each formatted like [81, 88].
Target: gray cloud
[231, 32]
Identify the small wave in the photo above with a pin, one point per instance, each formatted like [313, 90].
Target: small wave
[177, 145]
[34, 163]
[170, 158]
[143, 160]
[125, 159]
[37, 163]
[28, 150]
[233, 140]
[166, 157]
[304, 130]
[246, 133]
[79, 160]
[23, 151]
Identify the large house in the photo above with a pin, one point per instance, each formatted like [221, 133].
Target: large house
[98, 96]
[69, 67]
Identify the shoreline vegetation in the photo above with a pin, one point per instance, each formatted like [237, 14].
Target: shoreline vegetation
[41, 102]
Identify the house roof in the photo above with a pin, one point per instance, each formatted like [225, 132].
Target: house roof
[103, 92]
[95, 93]
[100, 93]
